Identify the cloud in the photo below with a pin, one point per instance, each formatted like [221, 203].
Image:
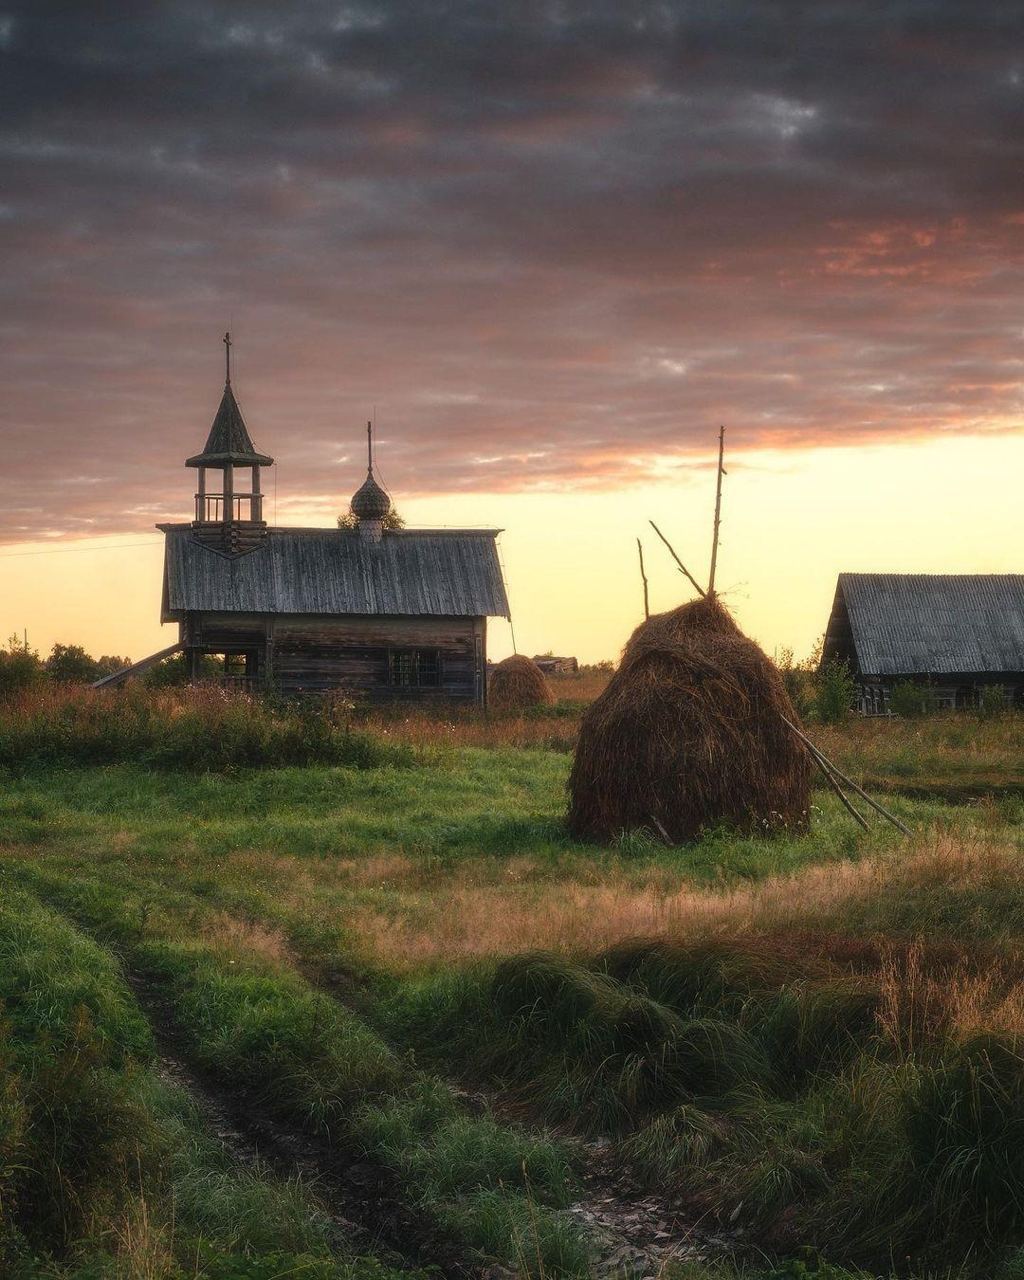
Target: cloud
[554, 243]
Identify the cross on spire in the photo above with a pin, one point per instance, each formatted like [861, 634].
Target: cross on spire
[369, 446]
[227, 359]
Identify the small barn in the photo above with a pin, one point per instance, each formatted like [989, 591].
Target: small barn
[382, 613]
[954, 633]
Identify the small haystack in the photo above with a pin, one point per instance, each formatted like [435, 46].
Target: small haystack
[689, 735]
[517, 683]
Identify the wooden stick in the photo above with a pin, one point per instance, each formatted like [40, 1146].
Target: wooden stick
[826, 774]
[647, 606]
[718, 509]
[696, 584]
[661, 830]
[891, 817]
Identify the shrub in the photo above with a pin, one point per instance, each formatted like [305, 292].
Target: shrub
[70, 664]
[992, 700]
[908, 699]
[835, 693]
[196, 728]
[20, 668]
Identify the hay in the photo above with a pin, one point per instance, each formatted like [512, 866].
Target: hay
[517, 683]
[688, 735]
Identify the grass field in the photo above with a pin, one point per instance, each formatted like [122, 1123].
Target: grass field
[375, 1013]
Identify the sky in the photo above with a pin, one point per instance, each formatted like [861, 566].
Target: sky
[550, 247]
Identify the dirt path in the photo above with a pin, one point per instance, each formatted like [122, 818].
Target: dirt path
[367, 1211]
[636, 1232]
[631, 1231]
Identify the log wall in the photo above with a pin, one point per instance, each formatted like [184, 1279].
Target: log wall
[358, 654]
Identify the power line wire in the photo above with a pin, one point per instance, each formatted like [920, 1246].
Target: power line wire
[67, 551]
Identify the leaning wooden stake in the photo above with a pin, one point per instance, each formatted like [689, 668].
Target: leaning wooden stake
[693, 580]
[643, 575]
[718, 510]
[827, 774]
[891, 817]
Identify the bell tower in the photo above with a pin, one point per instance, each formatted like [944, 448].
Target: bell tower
[229, 520]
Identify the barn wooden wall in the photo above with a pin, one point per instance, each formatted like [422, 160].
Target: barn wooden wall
[313, 654]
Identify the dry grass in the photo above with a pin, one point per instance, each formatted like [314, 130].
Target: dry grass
[246, 937]
[690, 734]
[523, 913]
[516, 684]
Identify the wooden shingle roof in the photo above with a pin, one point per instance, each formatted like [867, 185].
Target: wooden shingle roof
[446, 573]
[229, 441]
[939, 624]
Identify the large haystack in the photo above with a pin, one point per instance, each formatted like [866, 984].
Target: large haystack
[689, 735]
[516, 684]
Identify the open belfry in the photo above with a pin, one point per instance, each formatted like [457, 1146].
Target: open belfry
[381, 612]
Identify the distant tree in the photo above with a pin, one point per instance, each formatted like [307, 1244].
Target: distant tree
[174, 671]
[20, 667]
[108, 664]
[70, 664]
[391, 521]
[800, 678]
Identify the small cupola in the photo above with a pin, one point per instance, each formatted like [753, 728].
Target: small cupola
[231, 518]
[370, 505]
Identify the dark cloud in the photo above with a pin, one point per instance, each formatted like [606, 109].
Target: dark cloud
[549, 240]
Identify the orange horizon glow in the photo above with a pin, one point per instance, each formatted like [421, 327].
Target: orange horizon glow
[791, 522]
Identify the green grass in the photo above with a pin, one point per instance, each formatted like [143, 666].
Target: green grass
[826, 1052]
[107, 1169]
[254, 1023]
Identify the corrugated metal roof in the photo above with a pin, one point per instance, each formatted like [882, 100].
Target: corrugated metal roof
[440, 573]
[945, 624]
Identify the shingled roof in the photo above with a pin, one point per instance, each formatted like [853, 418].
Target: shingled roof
[444, 573]
[890, 624]
[229, 442]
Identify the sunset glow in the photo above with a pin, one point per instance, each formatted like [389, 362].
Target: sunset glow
[549, 254]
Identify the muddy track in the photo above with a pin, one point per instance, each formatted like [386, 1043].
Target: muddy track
[632, 1231]
[360, 1197]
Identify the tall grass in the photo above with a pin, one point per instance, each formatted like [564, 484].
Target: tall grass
[200, 728]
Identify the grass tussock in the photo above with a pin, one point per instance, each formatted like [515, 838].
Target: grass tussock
[841, 1084]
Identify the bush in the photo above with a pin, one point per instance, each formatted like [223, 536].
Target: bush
[992, 700]
[908, 699]
[196, 728]
[20, 667]
[70, 664]
[835, 693]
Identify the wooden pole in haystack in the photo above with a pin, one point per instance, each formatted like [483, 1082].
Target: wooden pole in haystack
[718, 511]
[643, 575]
[696, 585]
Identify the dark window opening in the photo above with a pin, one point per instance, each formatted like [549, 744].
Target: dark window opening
[414, 668]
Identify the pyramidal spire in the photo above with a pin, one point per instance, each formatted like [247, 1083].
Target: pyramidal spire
[229, 440]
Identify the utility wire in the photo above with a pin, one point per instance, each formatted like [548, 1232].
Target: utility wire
[67, 551]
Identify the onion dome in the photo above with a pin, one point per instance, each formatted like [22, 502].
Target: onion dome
[370, 502]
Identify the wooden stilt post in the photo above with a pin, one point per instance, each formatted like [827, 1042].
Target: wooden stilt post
[696, 585]
[815, 752]
[718, 511]
[643, 575]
